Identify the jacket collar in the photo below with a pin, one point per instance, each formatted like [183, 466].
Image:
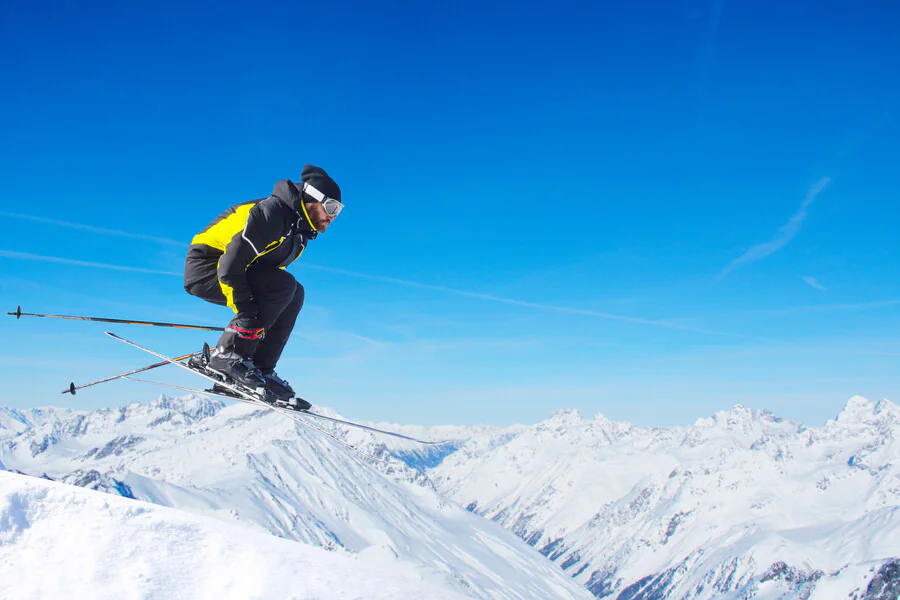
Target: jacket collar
[288, 193]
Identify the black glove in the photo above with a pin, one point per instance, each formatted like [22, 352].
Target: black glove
[247, 326]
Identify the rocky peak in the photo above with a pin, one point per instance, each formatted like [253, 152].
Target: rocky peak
[194, 406]
[563, 421]
[862, 411]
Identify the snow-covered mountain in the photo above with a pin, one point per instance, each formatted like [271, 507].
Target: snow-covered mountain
[60, 541]
[255, 468]
[739, 505]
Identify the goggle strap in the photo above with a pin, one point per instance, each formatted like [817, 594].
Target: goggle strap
[317, 195]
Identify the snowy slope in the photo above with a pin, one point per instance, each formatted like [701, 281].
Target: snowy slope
[742, 504]
[258, 469]
[61, 541]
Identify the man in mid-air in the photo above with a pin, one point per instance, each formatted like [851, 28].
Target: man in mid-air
[238, 261]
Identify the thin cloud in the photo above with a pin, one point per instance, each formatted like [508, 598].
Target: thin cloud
[562, 309]
[785, 234]
[512, 301]
[815, 283]
[812, 309]
[488, 297]
[369, 341]
[574, 311]
[91, 228]
[82, 263]
[841, 307]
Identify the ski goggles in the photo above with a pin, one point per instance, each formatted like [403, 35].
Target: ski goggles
[332, 207]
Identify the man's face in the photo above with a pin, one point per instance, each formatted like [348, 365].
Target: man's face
[317, 215]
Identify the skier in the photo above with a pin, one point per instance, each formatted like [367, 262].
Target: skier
[238, 261]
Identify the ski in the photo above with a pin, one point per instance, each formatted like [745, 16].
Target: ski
[233, 388]
[242, 395]
[372, 429]
[253, 398]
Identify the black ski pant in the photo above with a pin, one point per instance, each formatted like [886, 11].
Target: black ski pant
[279, 298]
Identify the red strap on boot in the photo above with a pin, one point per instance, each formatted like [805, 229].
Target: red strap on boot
[255, 333]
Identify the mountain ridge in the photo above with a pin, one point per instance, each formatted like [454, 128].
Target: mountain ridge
[742, 503]
[252, 467]
[616, 504]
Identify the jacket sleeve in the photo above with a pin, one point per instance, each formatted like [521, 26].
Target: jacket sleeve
[262, 233]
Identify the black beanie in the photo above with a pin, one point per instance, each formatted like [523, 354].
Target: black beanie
[319, 179]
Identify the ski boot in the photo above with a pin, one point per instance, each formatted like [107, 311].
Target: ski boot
[236, 369]
[277, 386]
[280, 393]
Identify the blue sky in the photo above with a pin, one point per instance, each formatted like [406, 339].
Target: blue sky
[652, 210]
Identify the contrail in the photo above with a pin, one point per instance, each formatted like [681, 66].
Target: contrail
[785, 234]
[425, 286]
[101, 230]
[93, 229]
[561, 309]
[82, 263]
[815, 283]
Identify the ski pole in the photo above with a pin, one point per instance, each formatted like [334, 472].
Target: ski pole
[72, 387]
[19, 314]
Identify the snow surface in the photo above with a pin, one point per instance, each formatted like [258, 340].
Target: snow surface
[257, 469]
[62, 541]
[740, 505]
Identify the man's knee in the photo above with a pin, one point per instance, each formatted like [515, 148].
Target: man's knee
[206, 291]
[192, 288]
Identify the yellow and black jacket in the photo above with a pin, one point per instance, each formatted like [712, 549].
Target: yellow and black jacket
[272, 231]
